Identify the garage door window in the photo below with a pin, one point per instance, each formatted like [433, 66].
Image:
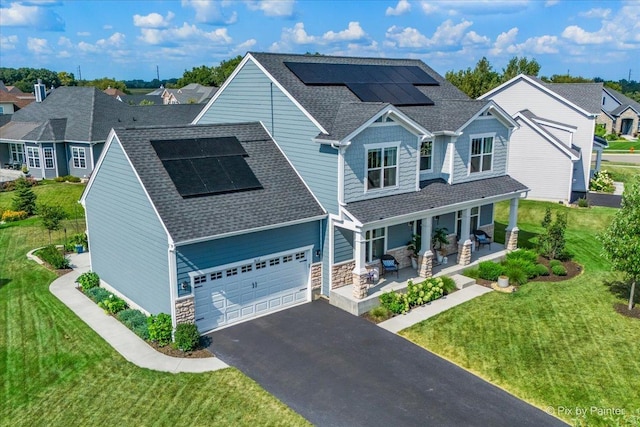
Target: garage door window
[246, 268]
[217, 275]
[260, 265]
[301, 255]
[232, 272]
[274, 261]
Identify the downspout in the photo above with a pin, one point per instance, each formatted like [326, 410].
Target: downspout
[273, 130]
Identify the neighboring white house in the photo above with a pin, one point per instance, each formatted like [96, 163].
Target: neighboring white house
[551, 151]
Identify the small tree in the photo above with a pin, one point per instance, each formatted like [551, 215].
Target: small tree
[24, 198]
[551, 243]
[51, 217]
[621, 240]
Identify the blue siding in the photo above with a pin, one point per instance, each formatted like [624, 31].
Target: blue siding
[251, 96]
[486, 214]
[343, 245]
[438, 166]
[4, 154]
[399, 235]
[48, 173]
[463, 148]
[213, 253]
[129, 247]
[79, 172]
[34, 172]
[61, 159]
[356, 156]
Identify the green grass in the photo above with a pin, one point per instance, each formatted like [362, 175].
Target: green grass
[622, 172]
[64, 194]
[622, 145]
[552, 344]
[56, 371]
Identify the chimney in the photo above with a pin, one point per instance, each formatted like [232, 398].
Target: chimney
[40, 91]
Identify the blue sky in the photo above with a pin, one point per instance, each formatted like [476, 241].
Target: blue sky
[127, 39]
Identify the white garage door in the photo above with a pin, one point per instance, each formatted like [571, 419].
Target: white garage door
[256, 287]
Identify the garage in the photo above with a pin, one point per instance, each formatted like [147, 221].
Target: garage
[254, 287]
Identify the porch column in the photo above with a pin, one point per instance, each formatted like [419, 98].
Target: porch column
[425, 258]
[360, 270]
[464, 245]
[511, 234]
[598, 160]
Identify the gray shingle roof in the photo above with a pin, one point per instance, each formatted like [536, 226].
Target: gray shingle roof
[90, 114]
[623, 99]
[433, 194]
[324, 102]
[622, 108]
[137, 99]
[284, 196]
[587, 96]
[193, 93]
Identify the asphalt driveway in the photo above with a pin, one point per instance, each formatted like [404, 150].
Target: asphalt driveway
[336, 369]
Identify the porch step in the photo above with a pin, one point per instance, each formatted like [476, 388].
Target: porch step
[463, 281]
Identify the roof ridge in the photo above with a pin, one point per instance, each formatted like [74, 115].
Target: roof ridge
[303, 55]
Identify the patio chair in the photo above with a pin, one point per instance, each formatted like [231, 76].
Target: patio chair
[482, 238]
[389, 263]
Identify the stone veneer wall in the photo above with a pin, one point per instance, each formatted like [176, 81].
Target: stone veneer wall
[316, 276]
[402, 255]
[186, 310]
[605, 120]
[487, 229]
[342, 274]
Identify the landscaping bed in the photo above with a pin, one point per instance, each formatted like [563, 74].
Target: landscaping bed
[624, 310]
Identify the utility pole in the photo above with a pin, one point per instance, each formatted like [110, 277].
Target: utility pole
[629, 79]
[158, 72]
[79, 74]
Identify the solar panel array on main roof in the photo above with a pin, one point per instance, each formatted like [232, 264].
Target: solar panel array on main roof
[394, 84]
[204, 166]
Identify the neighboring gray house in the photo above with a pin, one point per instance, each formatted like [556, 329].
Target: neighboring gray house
[387, 146]
[552, 149]
[64, 133]
[193, 93]
[620, 114]
[209, 223]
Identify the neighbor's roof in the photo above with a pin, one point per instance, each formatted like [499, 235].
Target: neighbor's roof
[623, 100]
[433, 194]
[451, 109]
[89, 115]
[20, 101]
[283, 198]
[587, 96]
[137, 99]
[193, 93]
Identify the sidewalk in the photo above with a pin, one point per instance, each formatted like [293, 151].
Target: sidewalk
[419, 314]
[125, 342]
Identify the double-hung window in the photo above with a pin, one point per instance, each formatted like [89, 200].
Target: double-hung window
[426, 156]
[48, 157]
[382, 167]
[33, 157]
[79, 157]
[374, 244]
[481, 154]
[16, 152]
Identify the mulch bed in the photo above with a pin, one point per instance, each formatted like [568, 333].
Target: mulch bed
[573, 269]
[200, 353]
[624, 310]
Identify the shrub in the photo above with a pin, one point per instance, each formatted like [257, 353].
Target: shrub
[448, 284]
[88, 280]
[602, 181]
[542, 270]
[554, 262]
[59, 179]
[10, 216]
[97, 294]
[160, 328]
[424, 292]
[396, 302]
[380, 313]
[24, 198]
[552, 242]
[52, 255]
[187, 336]
[112, 304]
[72, 178]
[524, 254]
[516, 275]
[559, 270]
[7, 186]
[473, 272]
[136, 321]
[489, 270]
[583, 202]
[526, 266]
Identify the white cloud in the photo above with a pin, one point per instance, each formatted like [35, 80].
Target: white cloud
[550, 3]
[116, 40]
[63, 54]
[8, 42]
[107, 27]
[209, 12]
[597, 12]
[428, 8]
[169, 36]
[30, 16]
[580, 36]
[87, 47]
[474, 7]
[504, 40]
[447, 34]
[406, 37]
[538, 45]
[65, 42]
[83, 33]
[474, 38]
[273, 7]
[37, 46]
[401, 8]
[246, 45]
[353, 32]
[153, 20]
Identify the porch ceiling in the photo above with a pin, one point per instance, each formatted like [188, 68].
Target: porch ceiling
[433, 194]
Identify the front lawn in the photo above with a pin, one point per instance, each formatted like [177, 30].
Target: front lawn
[556, 345]
[622, 145]
[622, 172]
[56, 371]
[64, 194]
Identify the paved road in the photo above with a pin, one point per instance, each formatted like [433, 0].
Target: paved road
[336, 369]
[621, 158]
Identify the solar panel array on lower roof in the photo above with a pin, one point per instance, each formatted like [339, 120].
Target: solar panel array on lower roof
[395, 84]
[205, 166]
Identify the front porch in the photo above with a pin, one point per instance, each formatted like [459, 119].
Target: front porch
[343, 297]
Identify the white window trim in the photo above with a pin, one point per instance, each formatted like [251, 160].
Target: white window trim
[375, 146]
[433, 146]
[18, 150]
[73, 157]
[369, 253]
[493, 152]
[33, 155]
[44, 157]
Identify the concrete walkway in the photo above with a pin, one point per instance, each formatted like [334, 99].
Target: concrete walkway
[419, 314]
[124, 341]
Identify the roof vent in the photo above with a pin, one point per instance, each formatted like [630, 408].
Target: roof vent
[40, 91]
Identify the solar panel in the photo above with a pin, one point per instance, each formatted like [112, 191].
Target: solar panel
[396, 94]
[341, 74]
[206, 166]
